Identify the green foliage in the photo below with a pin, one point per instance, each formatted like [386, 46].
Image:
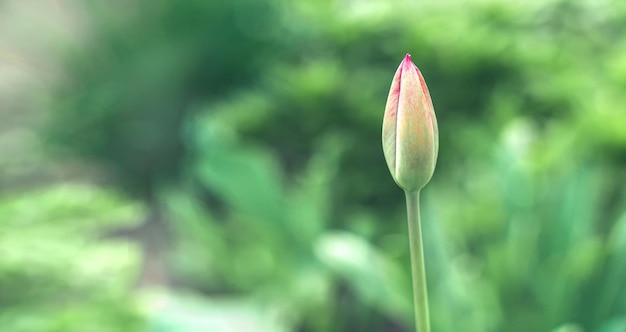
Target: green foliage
[137, 72]
[54, 275]
[276, 235]
[533, 252]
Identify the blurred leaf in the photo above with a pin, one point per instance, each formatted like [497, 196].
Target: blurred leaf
[248, 179]
[56, 274]
[184, 313]
[377, 280]
[616, 325]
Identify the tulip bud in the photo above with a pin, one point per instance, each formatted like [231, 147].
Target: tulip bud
[410, 134]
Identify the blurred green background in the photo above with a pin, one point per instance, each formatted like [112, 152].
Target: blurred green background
[217, 165]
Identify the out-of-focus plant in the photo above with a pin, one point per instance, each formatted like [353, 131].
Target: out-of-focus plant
[302, 282]
[137, 72]
[57, 273]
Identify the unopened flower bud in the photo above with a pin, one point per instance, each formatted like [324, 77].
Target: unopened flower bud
[410, 134]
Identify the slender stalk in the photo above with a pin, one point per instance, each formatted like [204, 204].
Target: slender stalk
[420, 294]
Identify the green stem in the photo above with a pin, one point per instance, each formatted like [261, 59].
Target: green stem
[420, 294]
